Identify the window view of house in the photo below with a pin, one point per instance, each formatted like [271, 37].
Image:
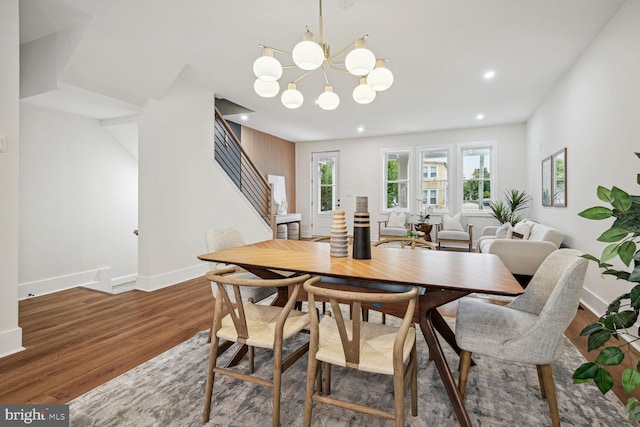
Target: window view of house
[435, 184]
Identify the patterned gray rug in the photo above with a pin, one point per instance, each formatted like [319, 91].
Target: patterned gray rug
[169, 391]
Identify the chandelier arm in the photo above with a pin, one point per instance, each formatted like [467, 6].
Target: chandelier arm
[344, 49]
[275, 49]
[332, 65]
[299, 78]
[324, 73]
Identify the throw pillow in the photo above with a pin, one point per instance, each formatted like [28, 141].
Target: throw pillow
[523, 230]
[396, 219]
[505, 231]
[452, 223]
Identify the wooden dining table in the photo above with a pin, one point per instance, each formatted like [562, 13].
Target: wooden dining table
[442, 276]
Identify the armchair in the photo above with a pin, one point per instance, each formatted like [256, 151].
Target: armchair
[397, 224]
[454, 230]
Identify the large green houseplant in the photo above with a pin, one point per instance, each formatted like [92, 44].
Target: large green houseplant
[509, 210]
[621, 315]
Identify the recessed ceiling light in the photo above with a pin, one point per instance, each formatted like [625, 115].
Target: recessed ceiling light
[489, 74]
[479, 116]
[244, 117]
[360, 129]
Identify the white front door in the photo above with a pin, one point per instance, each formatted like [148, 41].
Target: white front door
[325, 198]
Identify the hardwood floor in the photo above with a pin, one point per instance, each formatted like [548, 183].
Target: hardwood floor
[78, 339]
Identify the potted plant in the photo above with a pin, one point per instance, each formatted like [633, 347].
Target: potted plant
[508, 211]
[622, 313]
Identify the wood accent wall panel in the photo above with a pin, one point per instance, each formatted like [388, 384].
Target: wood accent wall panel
[272, 156]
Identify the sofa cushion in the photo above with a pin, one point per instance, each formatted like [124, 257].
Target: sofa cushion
[396, 219]
[453, 235]
[505, 231]
[545, 233]
[523, 230]
[452, 223]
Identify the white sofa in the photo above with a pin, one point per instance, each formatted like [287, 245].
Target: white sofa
[519, 255]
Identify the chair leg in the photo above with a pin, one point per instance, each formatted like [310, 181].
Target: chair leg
[398, 396]
[541, 381]
[465, 362]
[213, 357]
[277, 385]
[414, 381]
[312, 371]
[327, 379]
[251, 358]
[550, 391]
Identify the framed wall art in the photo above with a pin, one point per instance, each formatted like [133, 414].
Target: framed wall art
[559, 178]
[546, 182]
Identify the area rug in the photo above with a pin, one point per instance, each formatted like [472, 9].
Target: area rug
[169, 391]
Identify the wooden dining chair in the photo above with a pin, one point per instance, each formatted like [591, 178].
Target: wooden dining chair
[405, 242]
[255, 325]
[369, 347]
[530, 329]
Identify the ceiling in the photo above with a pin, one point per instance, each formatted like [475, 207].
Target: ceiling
[438, 51]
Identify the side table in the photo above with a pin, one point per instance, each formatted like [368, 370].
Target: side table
[426, 228]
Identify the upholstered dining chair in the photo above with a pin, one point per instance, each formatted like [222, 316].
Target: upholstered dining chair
[364, 346]
[255, 325]
[397, 224]
[219, 239]
[454, 230]
[531, 328]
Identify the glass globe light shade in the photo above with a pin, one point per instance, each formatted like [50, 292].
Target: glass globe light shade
[266, 89]
[380, 78]
[329, 100]
[308, 54]
[360, 61]
[363, 94]
[292, 98]
[267, 67]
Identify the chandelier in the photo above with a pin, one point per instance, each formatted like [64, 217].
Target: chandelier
[309, 55]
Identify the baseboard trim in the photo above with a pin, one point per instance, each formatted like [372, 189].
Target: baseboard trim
[159, 281]
[11, 342]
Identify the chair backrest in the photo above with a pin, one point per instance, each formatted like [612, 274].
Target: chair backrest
[350, 330]
[219, 239]
[226, 281]
[444, 222]
[398, 218]
[553, 294]
[405, 242]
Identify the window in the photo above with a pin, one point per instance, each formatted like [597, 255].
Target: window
[326, 180]
[435, 185]
[396, 179]
[477, 166]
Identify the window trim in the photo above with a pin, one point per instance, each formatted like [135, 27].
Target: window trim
[451, 170]
[460, 147]
[410, 177]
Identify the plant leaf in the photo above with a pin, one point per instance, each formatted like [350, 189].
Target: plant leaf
[604, 194]
[630, 379]
[589, 329]
[610, 356]
[609, 252]
[634, 297]
[623, 319]
[621, 200]
[585, 373]
[598, 339]
[596, 212]
[614, 234]
[626, 251]
[603, 380]
[635, 275]
[590, 258]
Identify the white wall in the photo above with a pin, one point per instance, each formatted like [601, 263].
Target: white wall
[183, 191]
[360, 168]
[594, 112]
[10, 332]
[78, 204]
